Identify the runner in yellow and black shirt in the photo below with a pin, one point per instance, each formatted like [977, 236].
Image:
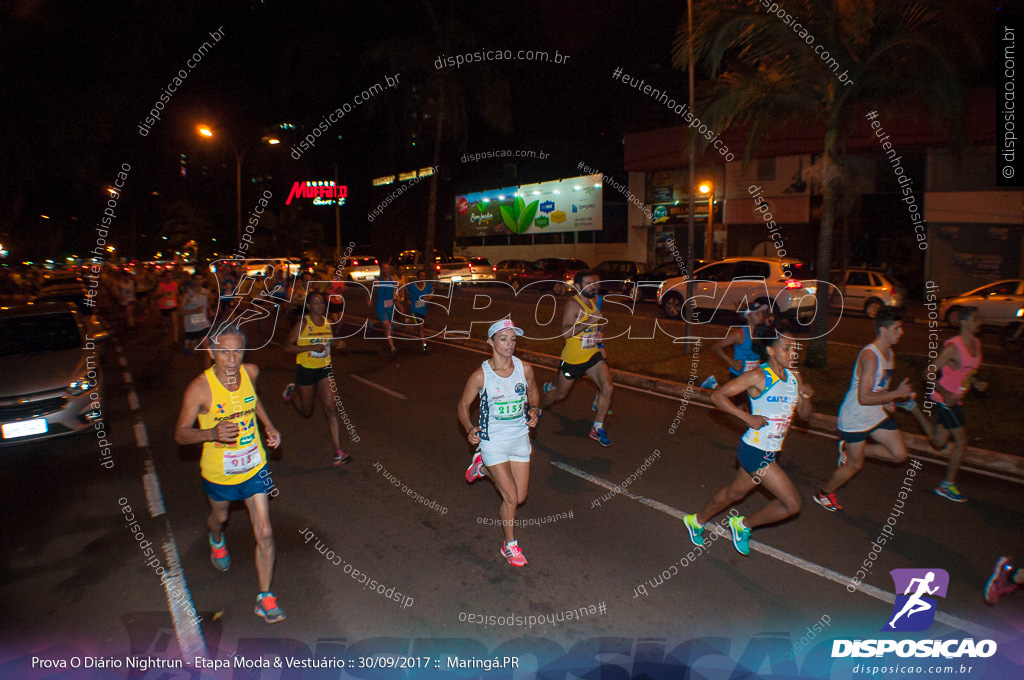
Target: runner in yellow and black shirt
[581, 327]
[234, 463]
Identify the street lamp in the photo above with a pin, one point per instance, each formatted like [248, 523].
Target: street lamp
[708, 189]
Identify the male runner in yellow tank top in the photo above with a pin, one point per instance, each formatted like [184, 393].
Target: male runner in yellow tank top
[234, 464]
[581, 324]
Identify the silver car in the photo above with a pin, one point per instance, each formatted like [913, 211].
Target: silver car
[997, 303]
[866, 290]
[52, 380]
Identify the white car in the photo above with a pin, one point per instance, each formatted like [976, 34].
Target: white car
[997, 303]
[361, 268]
[866, 290]
[731, 285]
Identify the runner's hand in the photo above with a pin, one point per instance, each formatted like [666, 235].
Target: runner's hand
[755, 422]
[472, 436]
[905, 390]
[531, 420]
[227, 432]
[273, 436]
[806, 391]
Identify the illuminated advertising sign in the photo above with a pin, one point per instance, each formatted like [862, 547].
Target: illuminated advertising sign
[322, 193]
[572, 204]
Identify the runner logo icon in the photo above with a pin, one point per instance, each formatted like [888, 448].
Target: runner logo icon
[914, 609]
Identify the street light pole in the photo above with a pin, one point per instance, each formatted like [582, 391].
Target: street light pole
[693, 173]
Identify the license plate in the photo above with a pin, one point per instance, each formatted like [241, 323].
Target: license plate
[24, 428]
[456, 278]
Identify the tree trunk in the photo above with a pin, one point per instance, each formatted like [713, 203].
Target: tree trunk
[428, 245]
[817, 348]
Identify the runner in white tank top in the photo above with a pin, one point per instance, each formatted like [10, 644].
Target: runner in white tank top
[865, 411]
[508, 409]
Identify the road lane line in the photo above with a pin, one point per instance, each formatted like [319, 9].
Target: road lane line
[141, 438]
[133, 400]
[376, 386]
[792, 560]
[186, 627]
[127, 377]
[154, 497]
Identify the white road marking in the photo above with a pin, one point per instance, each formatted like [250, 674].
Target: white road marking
[793, 560]
[133, 400]
[127, 377]
[186, 626]
[154, 497]
[121, 361]
[376, 386]
[141, 438]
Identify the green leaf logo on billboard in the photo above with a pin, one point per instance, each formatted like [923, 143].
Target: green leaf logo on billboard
[518, 216]
[541, 222]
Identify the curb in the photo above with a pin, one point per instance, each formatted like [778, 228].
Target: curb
[993, 461]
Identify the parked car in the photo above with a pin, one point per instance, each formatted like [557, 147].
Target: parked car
[73, 293]
[60, 278]
[733, 283]
[645, 287]
[506, 269]
[553, 273]
[361, 268]
[614, 274]
[997, 304]
[52, 373]
[866, 290]
[482, 270]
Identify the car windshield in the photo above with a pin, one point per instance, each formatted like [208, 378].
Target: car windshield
[38, 333]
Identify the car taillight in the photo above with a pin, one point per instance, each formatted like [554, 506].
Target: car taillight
[792, 283]
[472, 268]
[437, 267]
[494, 269]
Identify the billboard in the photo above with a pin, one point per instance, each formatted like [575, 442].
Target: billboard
[572, 204]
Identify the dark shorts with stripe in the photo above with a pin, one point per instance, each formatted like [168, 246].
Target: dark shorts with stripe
[950, 417]
[258, 483]
[573, 371]
[311, 376]
[858, 437]
[752, 458]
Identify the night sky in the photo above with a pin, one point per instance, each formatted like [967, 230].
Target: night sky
[79, 78]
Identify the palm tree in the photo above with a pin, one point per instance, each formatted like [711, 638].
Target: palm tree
[440, 95]
[765, 75]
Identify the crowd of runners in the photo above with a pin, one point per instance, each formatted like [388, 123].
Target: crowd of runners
[221, 410]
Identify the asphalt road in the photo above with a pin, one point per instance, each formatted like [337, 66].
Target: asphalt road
[73, 577]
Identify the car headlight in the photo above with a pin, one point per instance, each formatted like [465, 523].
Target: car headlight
[1020, 313]
[81, 385]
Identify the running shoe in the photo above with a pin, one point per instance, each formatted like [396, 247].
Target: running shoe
[740, 535]
[424, 347]
[512, 553]
[696, 530]
[841, 461]
[219, 556]
[999, 582]
[710, 383]
[266, 606]
[827, 501]
[949, 490]
[287, 394]
[340, 457]
[394, 350]
[908, 405]
[474, 472]
[598, 435]
[593, 406]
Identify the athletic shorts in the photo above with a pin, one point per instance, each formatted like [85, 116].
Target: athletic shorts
[950, 417]
[517, 450]
[167, 311]
[258, 483]
[573, 371]
[311, 376]
[857, 437]
[752, 458]
[385, 313]
[197, 335]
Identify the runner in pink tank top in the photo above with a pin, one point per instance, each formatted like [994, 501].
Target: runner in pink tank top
[957, 364]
